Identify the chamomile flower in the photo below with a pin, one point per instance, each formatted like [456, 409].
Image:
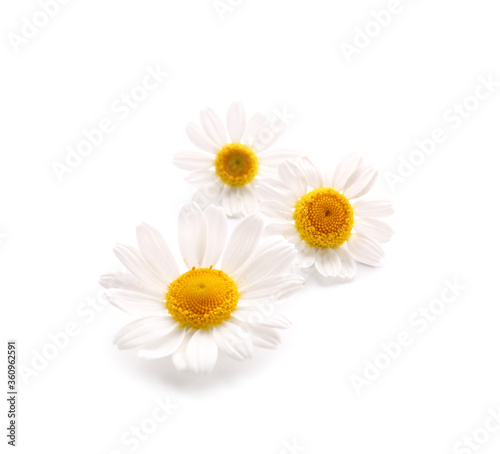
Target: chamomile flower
[327, 218]
[232, 158]
[193, 314]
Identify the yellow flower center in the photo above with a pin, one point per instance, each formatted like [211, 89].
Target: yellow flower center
[324, 218]
[202, 298]
[236, 164]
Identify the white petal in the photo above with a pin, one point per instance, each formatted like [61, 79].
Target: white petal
[156, 252]
[144, 330]
[274, 184]
[374, 228]
[344, 170]
[267, 172]
[193, 160]
[236, 121]
[192, 233]
[179, 356]
[274, 260]
[201, 352]
[293, 178]
[373, 208]
[275, 288]
[265, 338]
[208, 194]
[306, 255]
[328, 262]
[313, 175]
[281, 228]
[138, 266]
[199, 138]
[249, 199]
[270, 192]
[277, 321]
[137, 303]
[242, 243]
[201, 177]
[365, 250]
[216, 222]
[256, 316]
[233, 340]
[266, 243]
[348, 270]
[253, 127]
[165, 345]
[277, 211]
[266, 192]
[273, 158]
[361, 182]
[124, 281]
[213, 126]
[231, 201]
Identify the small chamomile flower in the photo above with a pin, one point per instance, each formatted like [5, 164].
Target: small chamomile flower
[328, 219]
[233, 158]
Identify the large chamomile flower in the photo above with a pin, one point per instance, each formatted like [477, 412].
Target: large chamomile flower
[232, 159]
[190, 315]
[327, 218]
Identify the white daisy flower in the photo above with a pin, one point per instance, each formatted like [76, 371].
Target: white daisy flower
[326, 218]
[190, 315]
[232, 158]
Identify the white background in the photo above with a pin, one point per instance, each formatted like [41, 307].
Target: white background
[57, 237]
